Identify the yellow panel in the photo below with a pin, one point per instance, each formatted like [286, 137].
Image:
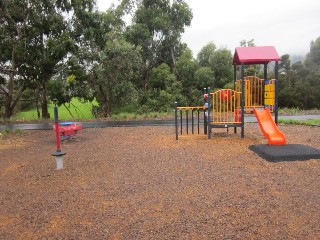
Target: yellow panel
[269, 101]
[272, 87]
[268, 95]
[267, 88]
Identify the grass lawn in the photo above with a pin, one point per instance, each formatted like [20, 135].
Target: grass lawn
[310, 122]
[78, 109]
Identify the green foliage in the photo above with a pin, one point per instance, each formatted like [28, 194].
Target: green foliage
[58, 91]
[186, 69]
[294, 110]
[161, 77]
[247, 43]
[38, 37]
[27, 101]
[308, 122]
[299, 83]
[229, 85]
[204, 77]
[220, 62]
[157, 28]
[206, 55]
[120, 62]
[164, 91]
[313, 57]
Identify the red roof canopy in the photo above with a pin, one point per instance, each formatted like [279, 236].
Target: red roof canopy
[255, 55]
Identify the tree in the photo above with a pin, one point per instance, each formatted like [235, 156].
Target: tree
[95, 61]
[120, 61]
[285, 64]
[186, 68]
[247, 43]
[220, 62]
[14, 17]
[312, 65]
[157, 28]
[313, 57]
[163, 92]
[40, 41]
[206, 55]
[204, 77]
[222, 65]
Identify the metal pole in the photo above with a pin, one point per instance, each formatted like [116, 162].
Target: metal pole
[276, 91]
[265, 76]
[187, 121]
[242, 100]
[234, 76]
[192, 121]
[205, 120]
[234, 85]
[208, 113]
[176, 119]
[58, 153]
[198, 121]
[181, 122]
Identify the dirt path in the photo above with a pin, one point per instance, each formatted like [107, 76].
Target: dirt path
[139, 183]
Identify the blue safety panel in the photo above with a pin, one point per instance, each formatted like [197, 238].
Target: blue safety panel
[66, 123]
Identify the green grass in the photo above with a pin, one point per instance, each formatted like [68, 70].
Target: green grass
[82, 110]
[289, 110]
[79, 110]
[309, 122]
[126, 115]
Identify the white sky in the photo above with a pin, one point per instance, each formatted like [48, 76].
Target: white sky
[289, 25]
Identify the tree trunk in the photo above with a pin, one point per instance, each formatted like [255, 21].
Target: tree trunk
[8, 112]
[10, 102]
[44, 102]
[37, 106]
[105, 101]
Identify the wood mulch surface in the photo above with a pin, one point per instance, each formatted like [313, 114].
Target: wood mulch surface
[140, 183]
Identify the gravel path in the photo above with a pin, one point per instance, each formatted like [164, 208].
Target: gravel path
[140, 183]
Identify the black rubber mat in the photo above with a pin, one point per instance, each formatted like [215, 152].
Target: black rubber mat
[290, 152]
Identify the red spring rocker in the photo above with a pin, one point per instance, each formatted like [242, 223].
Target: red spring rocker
[68, 129]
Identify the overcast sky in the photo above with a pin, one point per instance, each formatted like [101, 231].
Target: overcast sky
[289, 25]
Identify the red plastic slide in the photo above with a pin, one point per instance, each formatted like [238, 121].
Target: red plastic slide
[269, 128]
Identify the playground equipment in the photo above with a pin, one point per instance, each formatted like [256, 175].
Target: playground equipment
[269, 128]
[197, 121]
[58, 153]
[259, 93]
[226, 108]
[67, 129]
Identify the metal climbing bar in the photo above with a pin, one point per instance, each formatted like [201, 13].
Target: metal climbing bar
[184, 120]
